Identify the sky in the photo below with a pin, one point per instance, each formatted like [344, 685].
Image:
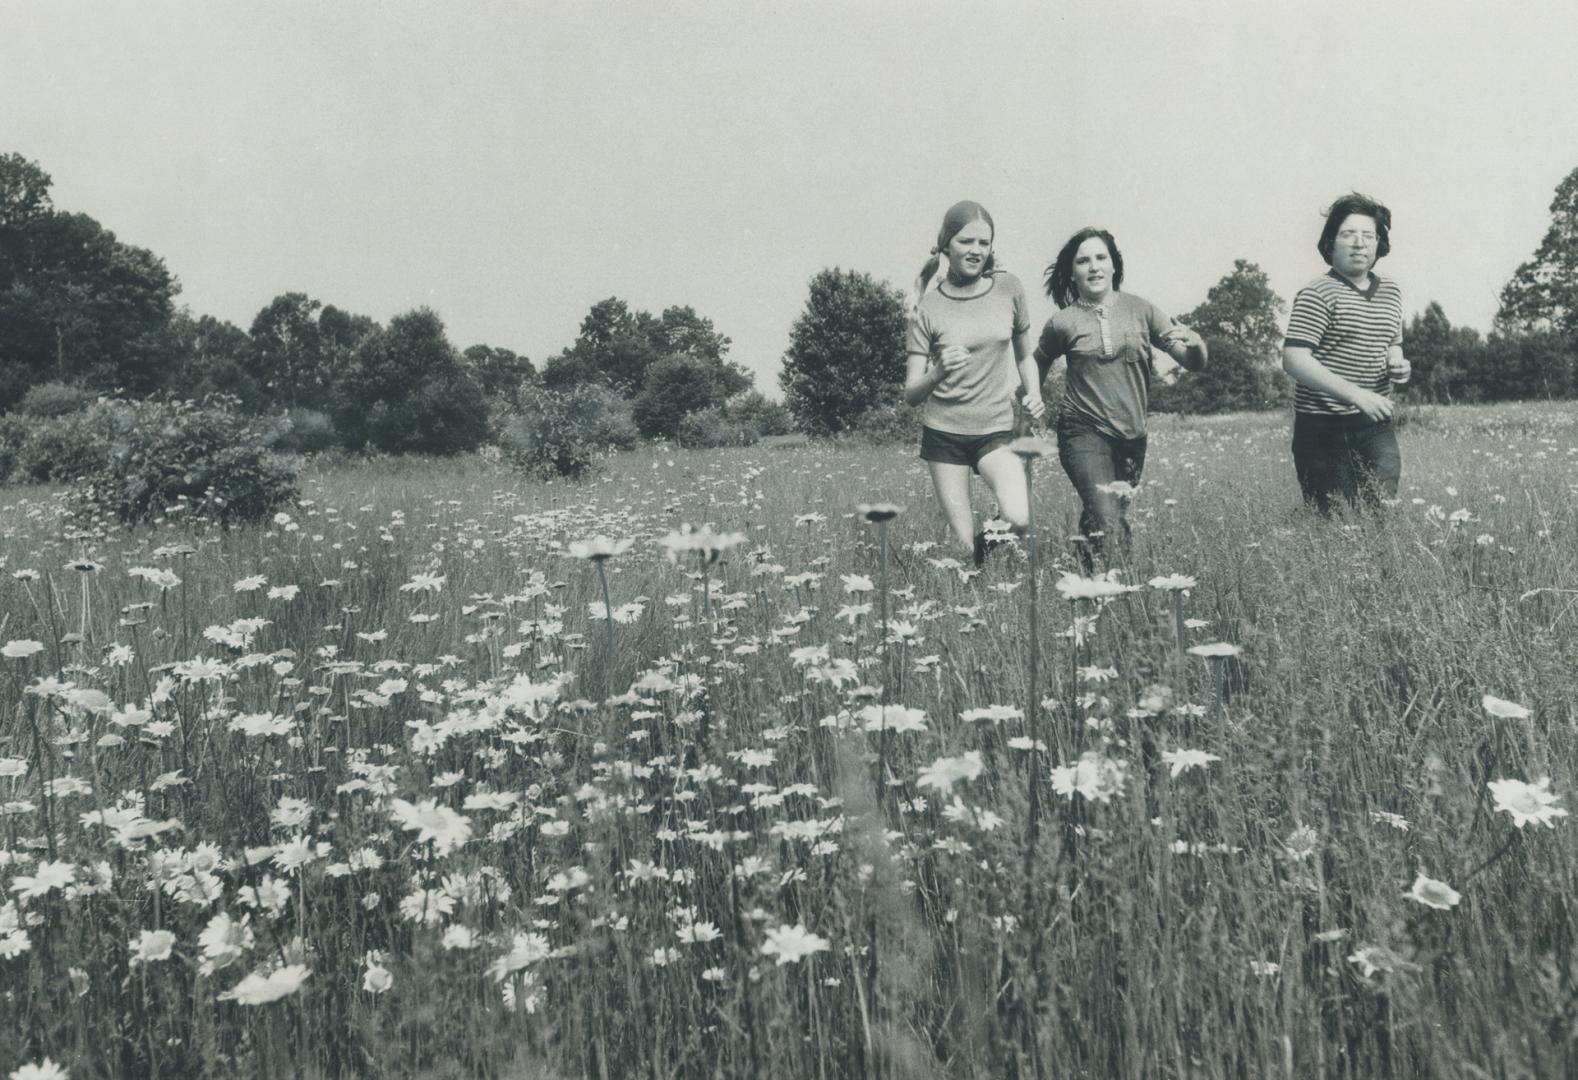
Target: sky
[509, 164]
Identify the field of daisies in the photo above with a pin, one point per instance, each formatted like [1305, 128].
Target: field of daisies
[723, 765]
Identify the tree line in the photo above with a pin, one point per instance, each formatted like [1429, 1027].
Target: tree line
[83, 313]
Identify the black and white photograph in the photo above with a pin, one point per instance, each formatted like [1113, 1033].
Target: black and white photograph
[760, 540]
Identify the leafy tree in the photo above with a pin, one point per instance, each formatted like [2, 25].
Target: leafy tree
[1450, 363]
[679, 384]
[76, 305]
[679, 331]
[500, 372]
[340, 334]
[1241, 321]
[1543, 292]
[212, 356]
[617, 346]
[287, 349]
[405, 391]
[846, 351]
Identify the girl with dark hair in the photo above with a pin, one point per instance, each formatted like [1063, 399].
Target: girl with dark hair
[1107, 336]
[968, 354]
[1344, 348]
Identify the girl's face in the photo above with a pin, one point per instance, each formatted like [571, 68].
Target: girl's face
[1093, 270]
[1353, 253]
[968, 251]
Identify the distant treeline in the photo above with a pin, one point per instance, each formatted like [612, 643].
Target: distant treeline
[83, 314]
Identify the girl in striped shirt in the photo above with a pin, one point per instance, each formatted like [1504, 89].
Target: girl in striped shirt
[1344, 348]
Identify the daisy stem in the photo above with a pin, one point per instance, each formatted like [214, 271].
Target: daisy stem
[1178, 626]
[608, 622]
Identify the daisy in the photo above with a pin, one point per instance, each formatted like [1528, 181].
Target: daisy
[1433, 893]
[1179, 760]
[943, 773]
[790, 944]
[260, 989]
[1527, 802]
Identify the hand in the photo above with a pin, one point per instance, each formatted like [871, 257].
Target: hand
[1182, 335]
[1398, 369]
[954, 358]
[1036, 407]
[1373, 405]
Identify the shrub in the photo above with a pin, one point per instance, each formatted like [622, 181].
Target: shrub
[680, 384]
[56, 449]
[405, 391]
[767, 417]
[556, 434]
[708, 428]
[163, 453]
[53, 399]
[893, 422]
[305, 431]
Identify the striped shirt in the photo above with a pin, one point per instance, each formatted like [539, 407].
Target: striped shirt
[1349, 333]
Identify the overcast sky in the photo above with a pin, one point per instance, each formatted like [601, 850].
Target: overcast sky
[509, 164]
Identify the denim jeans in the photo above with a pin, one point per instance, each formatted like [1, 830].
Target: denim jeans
[1092, 458]
[1348, 456]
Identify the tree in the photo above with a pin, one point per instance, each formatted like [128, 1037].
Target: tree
[405, 391]
[681, 384]
[500, 372]
[287, 349]
[846, 351]
[679, 331]
[1241, 321]
[1450, 363]
[211, 356]
[1543, 292]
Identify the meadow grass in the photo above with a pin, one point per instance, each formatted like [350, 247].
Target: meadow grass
[376, 790]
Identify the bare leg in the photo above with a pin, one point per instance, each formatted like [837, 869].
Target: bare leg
[1004, 473]
[953, 491]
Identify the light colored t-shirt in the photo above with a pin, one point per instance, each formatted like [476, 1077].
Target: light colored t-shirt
[1349, 332]
[979, 400]
[1109, 360]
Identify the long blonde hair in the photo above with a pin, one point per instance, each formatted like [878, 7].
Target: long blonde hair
[958, 216]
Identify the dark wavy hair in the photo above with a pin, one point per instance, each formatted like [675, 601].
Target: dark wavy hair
[1355, 203]
[1060, 275]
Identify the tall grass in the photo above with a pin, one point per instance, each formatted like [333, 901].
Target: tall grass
[726, 845]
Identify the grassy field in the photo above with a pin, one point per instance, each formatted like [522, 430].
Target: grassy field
[379, 791]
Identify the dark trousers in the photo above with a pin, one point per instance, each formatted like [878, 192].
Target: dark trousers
[1092, 458]
[1348, 457]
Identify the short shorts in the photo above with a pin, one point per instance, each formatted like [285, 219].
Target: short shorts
[949, 448]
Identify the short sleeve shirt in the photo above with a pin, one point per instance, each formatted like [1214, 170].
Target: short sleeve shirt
[980, 399]
[1109, 360]
[1348, 330]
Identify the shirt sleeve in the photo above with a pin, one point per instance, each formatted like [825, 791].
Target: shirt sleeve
[1397, 334]
[917, 334]
[1050, 347]
[1308, 323]
[1159, 323]
[1021, 308]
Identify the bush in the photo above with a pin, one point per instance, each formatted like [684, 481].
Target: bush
[886, 424]
[164, 453]
[305, 431]
[404, 391]
[556, 434]
[767, 417]
[51, 399]
[680, 384]
[55, 449]
[708, 428]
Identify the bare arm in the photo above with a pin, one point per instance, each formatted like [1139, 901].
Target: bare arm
[921, 377]
[1187, 347]
[1398, 369]
[1305, 369]
[1029, 375]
